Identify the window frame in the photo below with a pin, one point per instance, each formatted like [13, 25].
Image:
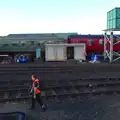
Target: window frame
[91, 42]
[102, 42]
[15, 45]
[82, 41]
[6, 45]
[75, 41]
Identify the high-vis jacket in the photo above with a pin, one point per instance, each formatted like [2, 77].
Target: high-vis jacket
[36, 84]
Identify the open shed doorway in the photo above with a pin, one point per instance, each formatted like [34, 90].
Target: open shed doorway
[70, 52]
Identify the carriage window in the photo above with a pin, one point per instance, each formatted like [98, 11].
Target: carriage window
[82, 41]
[32, 42]
[23, 44]
[91, 42]
[101, 42]
[15, 45]
[76, 41]
[5, 45]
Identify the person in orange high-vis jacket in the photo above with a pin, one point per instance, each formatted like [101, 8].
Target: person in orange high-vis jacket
[36, 93]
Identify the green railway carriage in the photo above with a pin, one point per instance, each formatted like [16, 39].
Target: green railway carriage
[29, 43]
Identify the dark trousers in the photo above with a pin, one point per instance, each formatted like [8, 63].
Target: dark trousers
[38, 99]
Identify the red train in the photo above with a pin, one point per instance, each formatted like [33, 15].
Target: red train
[94, 43]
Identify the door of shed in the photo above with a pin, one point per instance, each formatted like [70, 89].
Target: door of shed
[61, 53]
[50, 53]
[79, 53]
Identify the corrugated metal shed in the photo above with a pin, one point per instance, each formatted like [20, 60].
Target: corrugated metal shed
[58, 52]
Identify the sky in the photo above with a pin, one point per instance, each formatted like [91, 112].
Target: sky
[54, 16]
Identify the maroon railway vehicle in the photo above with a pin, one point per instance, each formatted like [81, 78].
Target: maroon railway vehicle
[94, 43]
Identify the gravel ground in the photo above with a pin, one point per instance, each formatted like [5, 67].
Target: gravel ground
[89, 108]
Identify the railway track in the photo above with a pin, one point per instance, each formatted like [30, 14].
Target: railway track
[58, 93]
[60, 89]
[60, 82]
[60, 67]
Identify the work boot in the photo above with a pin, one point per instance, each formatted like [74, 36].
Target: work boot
[44, 108]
